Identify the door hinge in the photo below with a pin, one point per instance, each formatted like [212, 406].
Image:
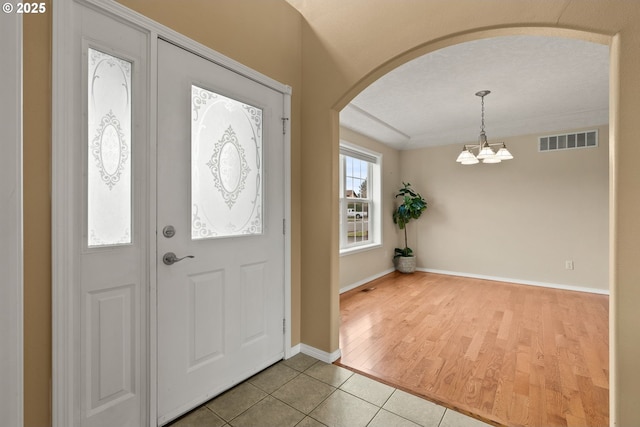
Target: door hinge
[284, 125]
[284, 226]
[284, 326]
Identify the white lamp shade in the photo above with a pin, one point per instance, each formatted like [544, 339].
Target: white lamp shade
[465, 155]
[485, 152]
[470, 161]
[504, 154]
[491, 159]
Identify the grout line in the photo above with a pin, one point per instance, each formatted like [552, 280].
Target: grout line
[389, 398]
[229, 421]
[308, 414]
[374, 415]
[443, 414]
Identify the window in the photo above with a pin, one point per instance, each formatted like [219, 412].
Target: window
[109, 147]
[360, 224]
[226, 172]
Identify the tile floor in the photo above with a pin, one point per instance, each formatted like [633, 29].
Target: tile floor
[305, 392]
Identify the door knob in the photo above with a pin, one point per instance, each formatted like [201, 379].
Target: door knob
[170, 258]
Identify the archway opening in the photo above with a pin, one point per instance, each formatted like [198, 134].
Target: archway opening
[513, 201]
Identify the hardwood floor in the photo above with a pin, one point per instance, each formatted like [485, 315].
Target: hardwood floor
[508, 354]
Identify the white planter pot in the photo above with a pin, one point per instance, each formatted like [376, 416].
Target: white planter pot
[405, 264]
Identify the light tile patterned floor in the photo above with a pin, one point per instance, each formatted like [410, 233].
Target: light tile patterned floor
[305, 392]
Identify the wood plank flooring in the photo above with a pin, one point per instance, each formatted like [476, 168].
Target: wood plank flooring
[508, 354]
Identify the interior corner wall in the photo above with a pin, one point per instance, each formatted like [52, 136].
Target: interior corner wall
[521, 219]
[360, 266]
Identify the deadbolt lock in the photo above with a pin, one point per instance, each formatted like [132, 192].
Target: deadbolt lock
[169, 231]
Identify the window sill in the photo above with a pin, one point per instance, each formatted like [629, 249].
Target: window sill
[356, 249]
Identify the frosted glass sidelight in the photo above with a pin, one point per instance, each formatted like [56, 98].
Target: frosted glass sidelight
[109, 150]
[226, 166]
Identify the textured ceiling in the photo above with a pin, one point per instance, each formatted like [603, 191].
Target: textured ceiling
[538, 85]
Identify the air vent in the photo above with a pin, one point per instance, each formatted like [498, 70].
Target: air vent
[568, 141]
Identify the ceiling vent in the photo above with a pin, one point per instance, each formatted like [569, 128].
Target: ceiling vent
[568, 141]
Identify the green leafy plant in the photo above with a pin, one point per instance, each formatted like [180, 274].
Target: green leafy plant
[411, 208]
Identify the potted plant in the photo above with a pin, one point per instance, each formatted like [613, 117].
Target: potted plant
[411, 208]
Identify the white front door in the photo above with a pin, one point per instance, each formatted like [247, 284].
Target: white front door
[220, 200]
[100, 251]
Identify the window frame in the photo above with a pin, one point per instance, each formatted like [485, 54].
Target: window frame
[373, 199]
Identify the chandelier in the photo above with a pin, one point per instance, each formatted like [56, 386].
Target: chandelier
[485, 152]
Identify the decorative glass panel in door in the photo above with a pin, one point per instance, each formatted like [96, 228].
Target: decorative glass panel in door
[226, 166]
[109, 150]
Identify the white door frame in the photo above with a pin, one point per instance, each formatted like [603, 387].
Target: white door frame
[64, 266]
[11, 250]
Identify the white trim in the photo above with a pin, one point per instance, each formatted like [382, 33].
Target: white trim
[11, 228]
[352, 148]
[367, 280]
[320, 354]
[518, 281]
[286, 114]
[374, 199]
[362, 248]
[63, 356]
[358, 153]
[152, 339]
[292, 351]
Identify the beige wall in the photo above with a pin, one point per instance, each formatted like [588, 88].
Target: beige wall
[340, 48]
[37, 217]
[520, 219]
[348, 45]
[360, 266]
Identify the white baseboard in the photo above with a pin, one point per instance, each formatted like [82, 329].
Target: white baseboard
[367, 280]
[292, 351]
[518, 281]
[319, 354]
